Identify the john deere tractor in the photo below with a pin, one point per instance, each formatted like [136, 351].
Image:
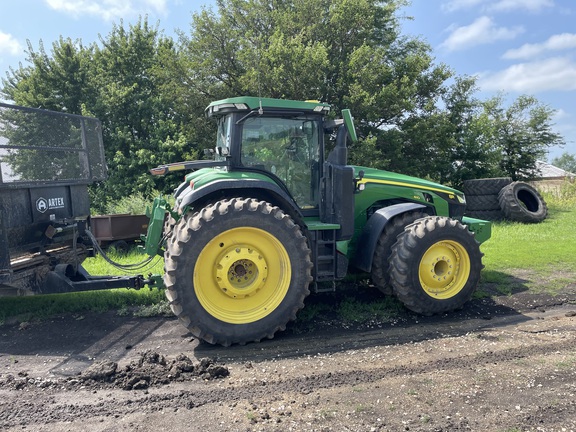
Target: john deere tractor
[273, 215]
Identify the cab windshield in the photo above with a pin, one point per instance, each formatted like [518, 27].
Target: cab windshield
[288, 148]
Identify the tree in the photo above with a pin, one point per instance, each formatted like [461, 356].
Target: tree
[347, 53]
[522, 133]
[135, 96]
[566, 161]
[150, 92]
[56, 82]
[133, 82]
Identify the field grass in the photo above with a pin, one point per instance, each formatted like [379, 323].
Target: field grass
[539, 258]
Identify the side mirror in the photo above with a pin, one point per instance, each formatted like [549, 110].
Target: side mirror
[349, 122]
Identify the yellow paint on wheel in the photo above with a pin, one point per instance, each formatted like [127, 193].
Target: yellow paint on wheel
[242, 275]
[444, 269]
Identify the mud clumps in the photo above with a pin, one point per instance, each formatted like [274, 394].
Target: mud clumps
[151, 369]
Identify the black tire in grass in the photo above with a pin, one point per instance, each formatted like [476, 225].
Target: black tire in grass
[520, 202]
[482, 202]
[489, 186]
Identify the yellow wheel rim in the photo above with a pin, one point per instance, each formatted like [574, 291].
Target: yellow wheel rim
[242, 275]
[444, 269]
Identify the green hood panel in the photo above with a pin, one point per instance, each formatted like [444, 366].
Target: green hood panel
[372, 175]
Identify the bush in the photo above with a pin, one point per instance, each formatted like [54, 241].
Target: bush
[134, 204]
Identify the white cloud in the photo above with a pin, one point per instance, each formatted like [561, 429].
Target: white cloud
[560, 42]
[9, 44]
[454, 5]
[108, 10]
[530, 5]
[560, 114]
[497, 5]
[480, 32]
[557, 73]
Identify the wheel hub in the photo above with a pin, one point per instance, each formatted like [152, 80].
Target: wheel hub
[442, 269]
[241, 271]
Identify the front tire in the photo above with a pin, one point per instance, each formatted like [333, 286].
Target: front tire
[435, 265]
[237, 271]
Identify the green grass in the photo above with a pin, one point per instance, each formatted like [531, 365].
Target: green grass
[99, 266]
[539, 257]
[353, 310]
[45, 306]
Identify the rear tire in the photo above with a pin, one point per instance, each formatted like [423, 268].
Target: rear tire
[381, 262]
[435, 265]
[237, 271]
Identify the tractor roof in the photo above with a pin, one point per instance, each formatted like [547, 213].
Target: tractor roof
[249, 103]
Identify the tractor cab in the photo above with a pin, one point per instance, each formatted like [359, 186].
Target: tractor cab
[285, 141]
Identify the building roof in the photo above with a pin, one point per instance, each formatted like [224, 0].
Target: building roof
[546, 170]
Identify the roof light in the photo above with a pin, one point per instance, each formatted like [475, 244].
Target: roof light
[217, 108]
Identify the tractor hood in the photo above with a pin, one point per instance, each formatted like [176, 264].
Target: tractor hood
[372, 175]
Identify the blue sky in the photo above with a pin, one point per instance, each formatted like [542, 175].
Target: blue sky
[516, 46]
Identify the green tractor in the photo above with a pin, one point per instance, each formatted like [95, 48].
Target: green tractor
[273, 215]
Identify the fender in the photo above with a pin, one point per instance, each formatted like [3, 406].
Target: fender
[368, 239]
[187, 196]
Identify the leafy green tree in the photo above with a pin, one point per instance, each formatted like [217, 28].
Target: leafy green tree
[135, 83]
[150, 92]
[470, 151]
[348, 53]
[134, 98]
[57, 81]
[566, 161]
[521, 133]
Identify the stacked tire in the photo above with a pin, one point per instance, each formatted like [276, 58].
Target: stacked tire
[501, 198]
[482, 197]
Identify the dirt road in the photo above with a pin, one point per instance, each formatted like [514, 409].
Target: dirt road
[498, 365]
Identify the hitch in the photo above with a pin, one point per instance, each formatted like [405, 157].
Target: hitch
[65, 279]
[153, 239]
